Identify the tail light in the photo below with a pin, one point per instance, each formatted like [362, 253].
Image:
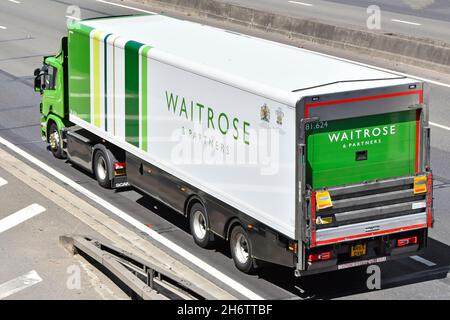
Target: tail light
[406, 241]
[120, 168]
[320, 257]
[293, 246]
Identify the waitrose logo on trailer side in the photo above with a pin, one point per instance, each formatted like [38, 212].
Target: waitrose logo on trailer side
[196, 111]
[362, 137]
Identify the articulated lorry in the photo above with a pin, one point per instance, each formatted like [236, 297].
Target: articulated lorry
[293, 157]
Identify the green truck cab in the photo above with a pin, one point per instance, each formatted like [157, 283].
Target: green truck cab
[51, 82]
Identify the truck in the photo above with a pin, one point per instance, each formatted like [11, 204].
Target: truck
[292, 157]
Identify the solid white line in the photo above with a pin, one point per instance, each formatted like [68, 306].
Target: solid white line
[406, 22]
[301, 3]
[3, 182]
[140, 226]
[440, 126]
[126, 7]
[3, 28]
[20, 216]
[424, 261]
[18, 284]
[14, 1]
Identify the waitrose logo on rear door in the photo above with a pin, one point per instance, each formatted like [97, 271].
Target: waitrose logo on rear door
[362, 137]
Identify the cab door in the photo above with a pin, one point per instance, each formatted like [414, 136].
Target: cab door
[52, 86]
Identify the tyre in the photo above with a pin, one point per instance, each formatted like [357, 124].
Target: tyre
[54, 138]
[102, 169]
[198, 221]
[241, 250]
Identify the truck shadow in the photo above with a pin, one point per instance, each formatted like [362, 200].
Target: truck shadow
[330, 285]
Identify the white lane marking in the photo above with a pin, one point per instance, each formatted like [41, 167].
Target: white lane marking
[3, 182]
[20, 216]
[3, 28]
[301, 3]
[406, 22]
[140, 226]
[440, 126]
[18, 284]
[15, 1]
[73, 18]
[126, 7]
[424, 261]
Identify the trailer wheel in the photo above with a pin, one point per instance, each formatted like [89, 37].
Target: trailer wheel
[102, 169]
[241, 250]
[198, 221]
[54, 138]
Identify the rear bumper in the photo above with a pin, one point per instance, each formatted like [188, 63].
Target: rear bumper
[379, 249]
[335, 265]
[375, 214]
[371, 229]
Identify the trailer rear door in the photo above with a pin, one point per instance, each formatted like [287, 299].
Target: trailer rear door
[349, 151]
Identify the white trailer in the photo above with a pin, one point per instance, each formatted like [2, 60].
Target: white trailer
[216, 125]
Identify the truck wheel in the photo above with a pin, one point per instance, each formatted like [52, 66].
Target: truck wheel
[54, 138]
[199, 226]
[241, 250]
[102, 169]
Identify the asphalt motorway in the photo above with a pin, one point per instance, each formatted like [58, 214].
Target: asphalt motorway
[32, 29]
[422, 18]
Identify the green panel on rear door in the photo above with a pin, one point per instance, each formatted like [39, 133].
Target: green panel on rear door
[355, 150]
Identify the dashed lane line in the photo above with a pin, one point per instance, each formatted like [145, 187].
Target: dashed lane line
[406, 22]
[20, 216]
[3, 182]
[19, 284]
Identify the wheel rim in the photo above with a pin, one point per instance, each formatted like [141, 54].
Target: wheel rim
[199, 225]
[101, 168]
[241, 249]
[54, 140]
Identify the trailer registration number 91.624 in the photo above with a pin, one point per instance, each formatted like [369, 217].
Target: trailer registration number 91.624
[316, 125]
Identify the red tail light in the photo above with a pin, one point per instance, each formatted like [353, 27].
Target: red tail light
[406, 241]
[120, 166]
[320, 256]
[120, 169]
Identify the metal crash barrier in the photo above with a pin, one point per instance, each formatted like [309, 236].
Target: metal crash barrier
[146, 280]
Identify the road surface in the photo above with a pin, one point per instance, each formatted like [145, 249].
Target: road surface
[432, 21]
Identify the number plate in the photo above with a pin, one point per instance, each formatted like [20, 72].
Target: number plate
[358, 250]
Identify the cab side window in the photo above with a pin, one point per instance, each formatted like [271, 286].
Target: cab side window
[50, 79]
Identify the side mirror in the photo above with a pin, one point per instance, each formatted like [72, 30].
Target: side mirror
[37, 72]
[38, 84]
